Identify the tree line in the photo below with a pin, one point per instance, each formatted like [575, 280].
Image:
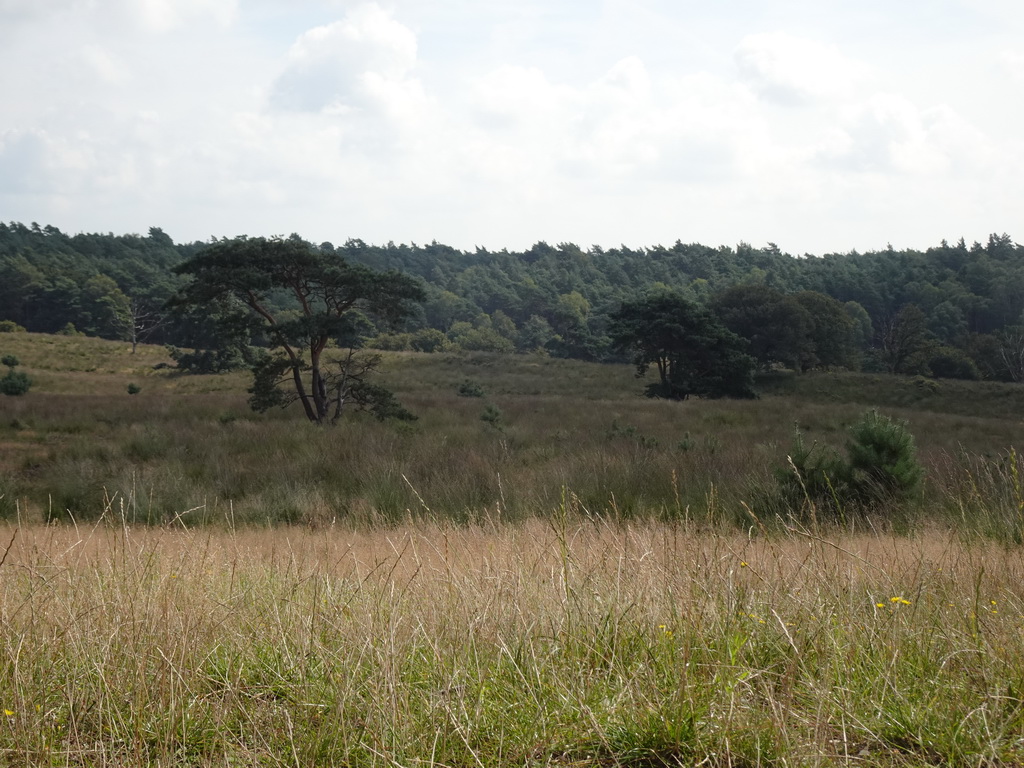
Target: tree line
[949, 311]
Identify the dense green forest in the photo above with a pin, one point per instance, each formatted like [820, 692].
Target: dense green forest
[953, 311]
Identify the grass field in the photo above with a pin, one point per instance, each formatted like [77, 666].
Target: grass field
[558, 643]
[584, 578]
[79, 445]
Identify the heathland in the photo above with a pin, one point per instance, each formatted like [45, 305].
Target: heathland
[545, 568]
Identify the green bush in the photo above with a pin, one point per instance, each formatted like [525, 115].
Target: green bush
[492, 415]
[813, 473]
[134, 389]
[391, 342]
[880, 468]
[9, 326]
[15, 382]
[883, 462]
[202, 361]
[470, 388]
[429, 340]
[951, 363]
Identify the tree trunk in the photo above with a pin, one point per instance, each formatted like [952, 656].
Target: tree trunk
[300, 388]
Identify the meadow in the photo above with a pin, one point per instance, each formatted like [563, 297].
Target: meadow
[187, 447]
[557, 572]
[543, 643]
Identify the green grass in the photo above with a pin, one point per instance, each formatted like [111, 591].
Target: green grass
[943, 396]
[79, 445]
[570, 643]
[595, 579]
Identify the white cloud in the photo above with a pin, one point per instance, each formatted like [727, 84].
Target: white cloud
[503, 123]
[623, 124]
[889, 133]
[363, 61]
[514, 95]
[1013, 63]
[104, 65]
[22, 162]
[14, 10]
[792, 70]
[167, 15]
[149, 15]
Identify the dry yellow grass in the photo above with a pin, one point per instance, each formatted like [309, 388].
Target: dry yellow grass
[565, 642]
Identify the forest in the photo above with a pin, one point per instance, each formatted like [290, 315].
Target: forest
[951, 311]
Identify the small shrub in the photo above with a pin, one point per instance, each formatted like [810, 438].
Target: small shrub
[492, 415]
[9, 326]
[951, 363]
[883, 462]
[470, 388]
[429, 340]
[15, 382]
[929, 386]
[202, 361]
[812, 474]
[631, 432]
[134, 389]
[881, 467]
[391, 342]
[382, 403]
[616, 430]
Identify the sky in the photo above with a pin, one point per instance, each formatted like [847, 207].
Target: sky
[818, 125]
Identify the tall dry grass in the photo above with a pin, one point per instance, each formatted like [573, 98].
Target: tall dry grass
[79, 445]
[565, 642]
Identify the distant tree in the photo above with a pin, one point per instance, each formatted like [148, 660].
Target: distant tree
[947, 322]
[160, 237]
[443, 308]
[535, 334]
[138, 321]
[104, 308]
[777, 328]
[946, 362]
[904, 340]
[692, 352]
[21, 285]
[832, 332]
[984, 351]
[391, 342]
[478, 338]
[429, 340]
[504, 325]
[571, 317]
[863, 328]
[1011, 351]
[328, 302]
